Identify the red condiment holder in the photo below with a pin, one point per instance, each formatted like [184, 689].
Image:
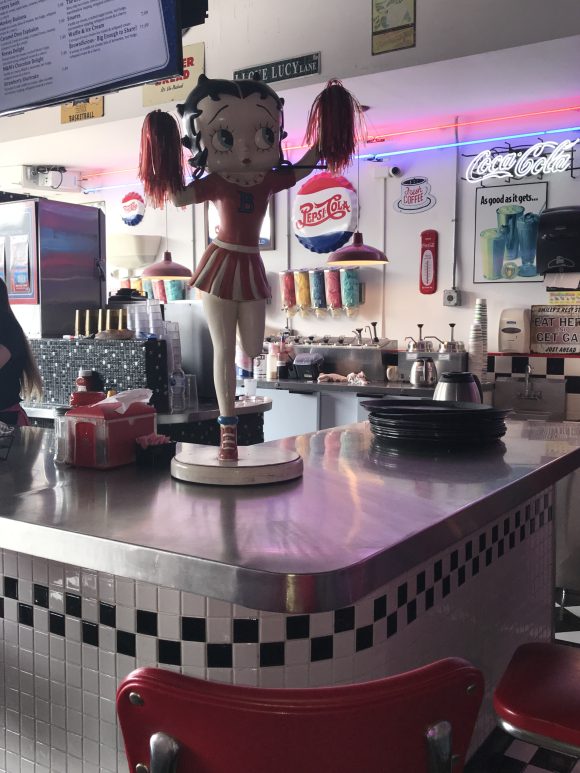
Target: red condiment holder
[98, 436]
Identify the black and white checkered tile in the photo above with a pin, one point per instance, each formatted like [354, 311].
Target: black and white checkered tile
[77, 632]
[552, 367]
[122, 626]
[503, 754]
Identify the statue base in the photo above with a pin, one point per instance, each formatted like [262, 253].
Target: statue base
[256, 465]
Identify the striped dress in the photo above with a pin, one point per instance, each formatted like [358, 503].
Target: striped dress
[232, 267]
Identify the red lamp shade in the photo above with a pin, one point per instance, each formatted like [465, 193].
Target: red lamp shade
[166, 269]
[357, 254]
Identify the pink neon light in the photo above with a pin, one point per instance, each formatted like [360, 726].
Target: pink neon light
[383, 137]
[455, 125]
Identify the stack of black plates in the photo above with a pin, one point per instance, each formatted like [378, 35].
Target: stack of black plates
[439, 422]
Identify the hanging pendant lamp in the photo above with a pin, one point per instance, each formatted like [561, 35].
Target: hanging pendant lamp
[357, 254]
[166, 269]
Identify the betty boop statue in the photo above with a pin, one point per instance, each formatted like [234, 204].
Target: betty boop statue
[234, 130]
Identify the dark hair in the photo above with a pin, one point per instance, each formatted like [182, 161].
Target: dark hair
[30, 380]
[215, 88]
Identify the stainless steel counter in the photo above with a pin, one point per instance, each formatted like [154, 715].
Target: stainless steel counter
[204, 412]
[372, 389]
[354, 521]
[208, 411]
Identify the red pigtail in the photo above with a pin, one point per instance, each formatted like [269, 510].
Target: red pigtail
[161, 157]
[335, 125]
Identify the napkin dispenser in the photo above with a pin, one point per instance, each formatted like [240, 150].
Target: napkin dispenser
[308, 365]
[558, 247]
[101, 437]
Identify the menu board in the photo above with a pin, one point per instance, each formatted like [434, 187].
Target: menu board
[54, 50]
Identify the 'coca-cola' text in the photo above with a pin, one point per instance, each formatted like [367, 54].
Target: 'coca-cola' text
[541, 158]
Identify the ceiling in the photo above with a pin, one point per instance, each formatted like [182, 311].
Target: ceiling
[538, 76]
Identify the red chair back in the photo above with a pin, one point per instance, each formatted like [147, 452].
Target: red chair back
[357, 728]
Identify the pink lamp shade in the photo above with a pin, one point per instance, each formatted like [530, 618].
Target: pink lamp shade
[357, 254]
[166, 269]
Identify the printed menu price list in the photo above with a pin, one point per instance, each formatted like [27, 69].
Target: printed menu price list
[51, 49]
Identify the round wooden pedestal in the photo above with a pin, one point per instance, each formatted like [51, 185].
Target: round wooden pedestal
[256, 464]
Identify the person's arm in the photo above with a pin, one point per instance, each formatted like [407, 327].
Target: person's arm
[185, 196]
[5, 355]
[308, 160]
[286, 176]
[197, 191]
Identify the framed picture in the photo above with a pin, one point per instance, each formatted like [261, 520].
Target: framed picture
[266, 240]
[506, 232]
[393, 25]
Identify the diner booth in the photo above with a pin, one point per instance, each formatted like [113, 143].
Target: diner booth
[385, 578]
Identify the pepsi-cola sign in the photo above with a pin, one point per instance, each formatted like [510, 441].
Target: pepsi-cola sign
[132, 208]
[324, 213]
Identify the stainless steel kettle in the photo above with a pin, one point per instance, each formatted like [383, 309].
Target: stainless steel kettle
[430, 371]
[417, 376]
[459, 387]
[423, 372]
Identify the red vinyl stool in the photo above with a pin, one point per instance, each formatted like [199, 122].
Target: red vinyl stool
[538, 697]
[417, 722]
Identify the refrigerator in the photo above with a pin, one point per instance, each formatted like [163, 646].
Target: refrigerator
[52, 258]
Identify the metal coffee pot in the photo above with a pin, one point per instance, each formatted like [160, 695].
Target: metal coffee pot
[417, 375]
[459, 387]
[423, 372]
[430, 371]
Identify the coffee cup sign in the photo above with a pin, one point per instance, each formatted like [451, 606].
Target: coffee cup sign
[416, 195]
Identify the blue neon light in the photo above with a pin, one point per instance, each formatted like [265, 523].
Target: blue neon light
[470, 142]
[411, 150]
[113, 187]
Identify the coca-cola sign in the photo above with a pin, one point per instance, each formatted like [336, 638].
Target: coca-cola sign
[542, 158]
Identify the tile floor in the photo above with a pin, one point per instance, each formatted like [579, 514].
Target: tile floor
[506, 755]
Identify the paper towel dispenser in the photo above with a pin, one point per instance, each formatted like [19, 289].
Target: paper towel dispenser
[558, 248]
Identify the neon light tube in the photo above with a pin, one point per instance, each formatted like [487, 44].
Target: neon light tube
[455, 125]
[112, 187]
[444, 146]
[464, 143]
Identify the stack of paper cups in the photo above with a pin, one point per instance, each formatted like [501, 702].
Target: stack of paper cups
[155, 318]
[476, 350]
[480, 317]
